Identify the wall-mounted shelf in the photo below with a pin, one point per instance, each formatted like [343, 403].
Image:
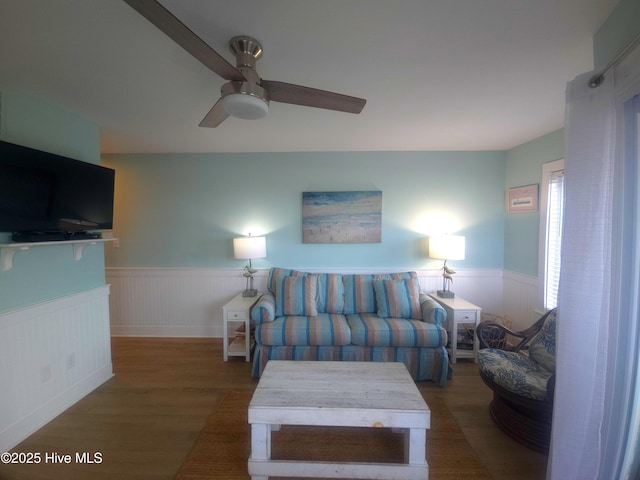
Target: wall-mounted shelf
[9, 250]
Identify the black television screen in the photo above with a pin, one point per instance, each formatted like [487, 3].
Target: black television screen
[44, 192]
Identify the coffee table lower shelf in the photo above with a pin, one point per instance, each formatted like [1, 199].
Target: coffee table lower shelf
[353, 394]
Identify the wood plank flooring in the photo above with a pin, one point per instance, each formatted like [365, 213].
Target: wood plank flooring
[144, 421]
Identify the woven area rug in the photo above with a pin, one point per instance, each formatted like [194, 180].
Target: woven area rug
[223, 447]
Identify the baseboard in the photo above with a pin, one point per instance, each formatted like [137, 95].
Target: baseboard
[214, 331]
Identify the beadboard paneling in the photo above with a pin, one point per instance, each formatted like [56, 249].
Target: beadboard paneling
[173, 302]
[52, 354]
[521, 299]
[176, 302]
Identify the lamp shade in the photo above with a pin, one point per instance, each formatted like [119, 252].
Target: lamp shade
[447, 247]
[249, 247]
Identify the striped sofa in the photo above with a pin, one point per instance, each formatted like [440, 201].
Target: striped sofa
[354, 317]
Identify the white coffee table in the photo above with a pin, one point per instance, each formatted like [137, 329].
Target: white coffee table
[356, 394]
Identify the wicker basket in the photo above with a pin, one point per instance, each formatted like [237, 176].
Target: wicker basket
[500, 339]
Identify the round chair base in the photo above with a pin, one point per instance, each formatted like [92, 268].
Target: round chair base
[532, 433]
[525, 420]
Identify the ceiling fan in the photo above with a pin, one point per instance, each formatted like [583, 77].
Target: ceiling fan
[245, 95]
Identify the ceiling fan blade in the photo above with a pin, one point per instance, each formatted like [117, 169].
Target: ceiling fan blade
[312, 97]
[215, 117]
[183, 36]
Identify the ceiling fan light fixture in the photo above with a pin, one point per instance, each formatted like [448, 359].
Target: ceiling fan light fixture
[247, 98]
[245, 106]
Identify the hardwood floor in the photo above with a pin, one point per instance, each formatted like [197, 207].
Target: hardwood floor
[141, 424]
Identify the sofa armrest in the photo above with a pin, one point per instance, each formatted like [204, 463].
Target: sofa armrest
[265, 309]
[432, 311]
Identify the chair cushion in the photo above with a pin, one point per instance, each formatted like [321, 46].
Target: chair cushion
[398, 298]
[323, 329]
[369, 329]
[514, 372]
[542, 349]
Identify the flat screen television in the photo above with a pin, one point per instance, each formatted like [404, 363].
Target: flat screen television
[44, 193]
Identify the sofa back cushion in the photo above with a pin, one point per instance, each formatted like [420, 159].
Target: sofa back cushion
[296, 295]
[330, 296]
[542, 349]
[359, 296]
[275, 272]
[359, 292]
[398, 298]
[336, 293]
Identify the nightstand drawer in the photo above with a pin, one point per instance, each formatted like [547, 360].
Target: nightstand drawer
[237, 315]
[468, 316]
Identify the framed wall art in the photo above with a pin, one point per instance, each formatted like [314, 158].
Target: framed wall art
[342, 217]
[522, 199]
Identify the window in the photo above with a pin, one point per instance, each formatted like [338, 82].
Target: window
[551, 211]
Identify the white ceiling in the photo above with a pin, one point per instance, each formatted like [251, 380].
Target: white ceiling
[437, 74]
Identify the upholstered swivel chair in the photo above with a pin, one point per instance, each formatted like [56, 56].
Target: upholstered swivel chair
[520, 369]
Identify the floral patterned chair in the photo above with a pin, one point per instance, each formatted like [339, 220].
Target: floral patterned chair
[521, 373]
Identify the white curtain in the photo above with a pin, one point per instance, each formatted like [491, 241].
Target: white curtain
[627, 404]
[597, 344]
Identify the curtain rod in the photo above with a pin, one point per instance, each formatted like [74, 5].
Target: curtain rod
[598, 78]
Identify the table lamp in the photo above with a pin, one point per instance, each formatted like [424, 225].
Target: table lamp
[247, 248]
[446, 247]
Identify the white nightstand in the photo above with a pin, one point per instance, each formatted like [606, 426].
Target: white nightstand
[237, 314]
[459, 312]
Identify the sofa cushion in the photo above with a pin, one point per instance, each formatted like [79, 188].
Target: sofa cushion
[330, 296]
[359, 293]
[514, 372]
[398, 298]
[359, 296]
[276, 272]
[369, 329]
[323, 329]
[296, 295]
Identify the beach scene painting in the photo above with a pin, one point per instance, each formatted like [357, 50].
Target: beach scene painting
[342, 217]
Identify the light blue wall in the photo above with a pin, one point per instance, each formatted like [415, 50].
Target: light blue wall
[524, 163]
[182, 210]
[616, 32]
[43, 273]
[524, 167]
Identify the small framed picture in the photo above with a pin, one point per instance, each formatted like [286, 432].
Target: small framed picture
[522, 199]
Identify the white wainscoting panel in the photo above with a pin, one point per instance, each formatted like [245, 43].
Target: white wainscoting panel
[52, 354]
[521, 299]
[173, 302]
[480, 287]
[177, 302]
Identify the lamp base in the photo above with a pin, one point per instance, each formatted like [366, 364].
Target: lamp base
[445, 294]
[249, 293]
